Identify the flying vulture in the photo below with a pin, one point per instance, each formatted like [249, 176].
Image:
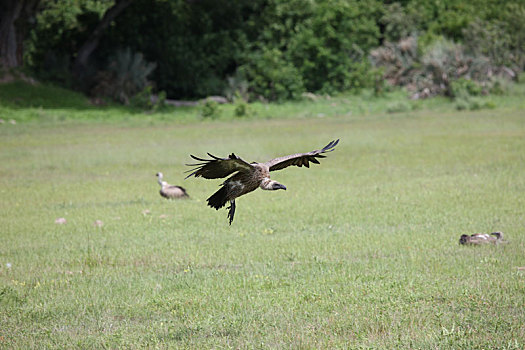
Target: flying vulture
[248, 176]
[482, 238]
[170, 191]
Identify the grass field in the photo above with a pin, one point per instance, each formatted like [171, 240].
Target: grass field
[359, 252]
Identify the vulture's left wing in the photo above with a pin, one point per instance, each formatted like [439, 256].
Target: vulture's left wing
[301, 159]
[216, 167]
[175, 187]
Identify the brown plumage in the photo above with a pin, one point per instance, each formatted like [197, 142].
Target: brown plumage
[248, 176]
[170, 191]
[481, 238]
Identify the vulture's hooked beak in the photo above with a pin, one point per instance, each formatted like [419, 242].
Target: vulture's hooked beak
[279, 187]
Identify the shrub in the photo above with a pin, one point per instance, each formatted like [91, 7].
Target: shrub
[318, 46]
[502, 42]
[397, 22]
[241, 109]
[397, 60]
[446, 62]
[462, 104]
[464, 87]
[512, 16]
[330, 44]
[443, 68]
[125, 76]
[237, 87]
[499, 86]
[439, 66]
[147, 100]
[490, 104]
[488, 39]
[270, 76]
[398, 107]
[210, 109]
[473, 103]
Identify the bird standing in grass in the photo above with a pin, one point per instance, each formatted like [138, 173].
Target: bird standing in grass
[248, 176]
[482, 238]
[170, 191]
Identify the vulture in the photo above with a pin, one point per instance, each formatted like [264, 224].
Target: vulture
[248, 176]
[481, 238]
[170, 191]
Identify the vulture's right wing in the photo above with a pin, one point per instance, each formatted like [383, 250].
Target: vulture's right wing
[218, 167]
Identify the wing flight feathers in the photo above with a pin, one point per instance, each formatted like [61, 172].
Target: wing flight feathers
[216, 167]
[301, 159]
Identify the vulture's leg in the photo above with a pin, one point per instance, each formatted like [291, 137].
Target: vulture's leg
[231, 211]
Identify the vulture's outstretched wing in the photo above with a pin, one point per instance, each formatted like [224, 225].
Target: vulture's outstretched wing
[218, 167]
[300, 159]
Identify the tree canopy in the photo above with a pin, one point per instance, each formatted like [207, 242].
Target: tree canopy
[274, 49]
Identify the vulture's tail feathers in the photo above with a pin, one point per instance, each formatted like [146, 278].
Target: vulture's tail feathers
[218, 199]
[184, 193]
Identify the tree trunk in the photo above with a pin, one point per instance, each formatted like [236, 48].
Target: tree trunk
[14, 25]
[85, 51]
[9, 12]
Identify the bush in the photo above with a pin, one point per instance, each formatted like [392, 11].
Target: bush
[241, 109]
[497, 41]
[318, 46]
[464, 87]
[483, 38]
[462, 104]
[125, 76]
[397, 60]
[237, 87]
[146, 100]
[445, 62]
[398, 107]
[443, 68]
[270, 76]
[397, 22]
[330, 44]
[499, 86]
[210, 109]
[512, 16]
[473, 103]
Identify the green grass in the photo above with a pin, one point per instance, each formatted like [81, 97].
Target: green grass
[45, 105]
[359, 252]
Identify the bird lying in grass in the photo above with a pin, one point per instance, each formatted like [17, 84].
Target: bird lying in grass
[248, 176]
[170, 191]
[482, 238]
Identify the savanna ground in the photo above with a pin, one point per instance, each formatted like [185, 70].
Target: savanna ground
[360, 252]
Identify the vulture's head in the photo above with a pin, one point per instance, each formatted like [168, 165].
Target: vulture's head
[159, 180]
[498, 235]
[464, 239]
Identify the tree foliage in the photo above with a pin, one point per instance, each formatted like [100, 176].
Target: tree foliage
[270, 49]
[324, 39]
